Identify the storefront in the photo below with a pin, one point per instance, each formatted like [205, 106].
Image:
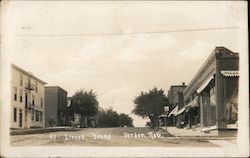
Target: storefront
[193, 113]
[211, 98]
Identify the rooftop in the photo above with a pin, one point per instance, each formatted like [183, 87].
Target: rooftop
[28, 73]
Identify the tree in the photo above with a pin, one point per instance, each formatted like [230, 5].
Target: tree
[150, 104]
[108, 118]
[84, 103]
[125, 120]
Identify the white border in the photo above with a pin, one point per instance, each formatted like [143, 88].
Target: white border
[242, 149]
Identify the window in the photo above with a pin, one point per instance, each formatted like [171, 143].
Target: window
[20, 118]
[37, 115]
[15, 114]
[15, 93]
[33, 100]
[21, 79]
[21, 95]
[36, 87]
[32, 115]
[41, 102]
[26, 100]
[41, 116]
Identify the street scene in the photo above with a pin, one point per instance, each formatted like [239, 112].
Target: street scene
[123, 74]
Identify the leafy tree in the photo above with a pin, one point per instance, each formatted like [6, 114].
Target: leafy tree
[84, 103]
[125, 120]
[108, 118]
[150, 104]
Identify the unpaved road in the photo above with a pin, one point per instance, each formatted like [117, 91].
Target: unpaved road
[109, 137]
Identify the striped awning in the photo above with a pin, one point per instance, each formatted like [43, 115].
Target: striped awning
[205, 84]
[230, 73]
[180, 111]
[193, 103]
[174, 111]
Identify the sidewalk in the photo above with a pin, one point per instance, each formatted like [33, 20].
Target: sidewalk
[181, 132]
[41, 130]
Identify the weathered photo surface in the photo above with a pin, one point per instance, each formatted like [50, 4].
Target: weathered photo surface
[124, 78]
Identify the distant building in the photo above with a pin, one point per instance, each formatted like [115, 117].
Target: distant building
[211, 98]
[175, 99]
[55, 106]
[27, 99]
[75, 119]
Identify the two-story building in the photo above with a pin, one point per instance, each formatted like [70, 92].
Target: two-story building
[175, 101]
[27, 99]
[211, 98]
[55, 106]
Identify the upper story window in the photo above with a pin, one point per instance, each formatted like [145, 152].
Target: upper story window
[15, 94]
[21, 79]
[33, 100]
[21, 95]
[41, 102]
[36, 87]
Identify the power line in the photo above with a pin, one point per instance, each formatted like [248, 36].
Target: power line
[131, 33]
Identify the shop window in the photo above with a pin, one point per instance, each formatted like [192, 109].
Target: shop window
[37, 115]
[231, 107]
[41, 116]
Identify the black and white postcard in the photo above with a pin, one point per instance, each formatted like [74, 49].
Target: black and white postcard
[124, 79]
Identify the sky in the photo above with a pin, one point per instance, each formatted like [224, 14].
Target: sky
[118, 49]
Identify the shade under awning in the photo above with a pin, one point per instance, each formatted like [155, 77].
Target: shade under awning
[173, 112]
[180, 111]
[230, 73]
[163, 116]
[205, 84]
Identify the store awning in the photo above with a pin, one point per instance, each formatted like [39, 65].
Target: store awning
[180, 111]
[230, 73]
[173, 112]
[193, 103]
[205, 84]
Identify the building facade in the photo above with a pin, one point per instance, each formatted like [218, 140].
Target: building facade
[55, 106]
[211, 98]
[27, 99]
[175, 95]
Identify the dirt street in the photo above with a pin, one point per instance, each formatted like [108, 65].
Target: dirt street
[109, 137]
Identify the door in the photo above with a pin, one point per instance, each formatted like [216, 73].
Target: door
[20, 118]
[26, 100]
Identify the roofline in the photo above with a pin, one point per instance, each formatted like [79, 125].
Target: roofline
[55, 87]
[209, 58]
[178, 86]
[28, 74]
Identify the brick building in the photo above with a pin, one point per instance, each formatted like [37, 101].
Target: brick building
[55, 106]
[175, 95]
[211, 98]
